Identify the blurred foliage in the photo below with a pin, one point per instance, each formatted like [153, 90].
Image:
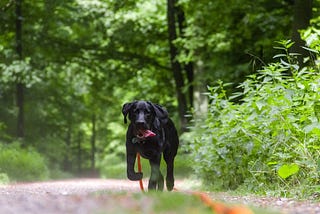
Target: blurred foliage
[230, 39]
[18, 164]
[153, 202]
[4, 179]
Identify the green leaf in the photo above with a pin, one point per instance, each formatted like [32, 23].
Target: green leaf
[287, 170]
[311, 50]
[312, 128]
[279, 55]
[270, 163]
[316, 109]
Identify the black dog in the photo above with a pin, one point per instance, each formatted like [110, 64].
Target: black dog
[150, 133]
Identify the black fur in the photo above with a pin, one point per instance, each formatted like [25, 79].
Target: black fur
[146, 115]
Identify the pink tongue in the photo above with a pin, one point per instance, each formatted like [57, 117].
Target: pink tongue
[147, 133]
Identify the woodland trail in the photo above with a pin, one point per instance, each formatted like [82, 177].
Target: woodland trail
[82, 196]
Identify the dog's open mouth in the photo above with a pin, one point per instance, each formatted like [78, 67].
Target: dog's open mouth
[145, 133]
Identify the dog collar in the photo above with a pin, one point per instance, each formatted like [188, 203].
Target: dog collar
[138, 140]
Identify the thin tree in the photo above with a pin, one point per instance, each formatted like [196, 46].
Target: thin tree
[93, 141]
[175, 64]
[19, 84]
[188, 66]
[301, 19]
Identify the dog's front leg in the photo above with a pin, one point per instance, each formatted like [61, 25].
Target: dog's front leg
[156, 179]
[131, 174]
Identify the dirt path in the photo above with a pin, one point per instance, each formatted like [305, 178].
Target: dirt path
[80, 196]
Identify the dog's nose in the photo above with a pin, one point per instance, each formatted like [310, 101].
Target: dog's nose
[140, 123]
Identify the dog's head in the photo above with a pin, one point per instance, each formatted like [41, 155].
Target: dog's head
[145, 115]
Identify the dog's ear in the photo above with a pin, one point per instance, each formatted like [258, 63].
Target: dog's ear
[125, 110]
[161, 115]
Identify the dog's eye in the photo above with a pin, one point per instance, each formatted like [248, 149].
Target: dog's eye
[147, 114]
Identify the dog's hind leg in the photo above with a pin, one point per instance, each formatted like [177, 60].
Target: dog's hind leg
[169, 158]
[170, 177]
[170, 152]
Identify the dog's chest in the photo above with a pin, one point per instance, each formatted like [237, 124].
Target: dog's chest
[148, 148]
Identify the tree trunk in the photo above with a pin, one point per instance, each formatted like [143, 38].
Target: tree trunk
[79, 148]
[301, 18]
[20, 106]
[188, 67]
[175, 65]
[19, 86]
[93, 141]
[67, 162]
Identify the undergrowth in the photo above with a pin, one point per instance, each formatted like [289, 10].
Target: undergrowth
[17, 164]
[268, 142]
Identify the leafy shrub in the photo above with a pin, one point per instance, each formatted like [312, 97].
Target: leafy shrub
[112, 166]
[22, 164]
[4, 179]
[270, 139]
[54, 149]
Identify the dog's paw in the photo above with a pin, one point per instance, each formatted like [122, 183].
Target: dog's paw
[170, 187]
[135, 176]
[170, 184]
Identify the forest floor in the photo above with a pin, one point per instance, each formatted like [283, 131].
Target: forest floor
[121, 196]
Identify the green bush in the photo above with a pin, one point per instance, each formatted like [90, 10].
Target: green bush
[268, 139]
[112, 166]
[4, 179]
[22, 164]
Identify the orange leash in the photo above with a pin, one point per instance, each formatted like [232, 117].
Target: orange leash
[216, 207]
[220, 208]
[140, 170]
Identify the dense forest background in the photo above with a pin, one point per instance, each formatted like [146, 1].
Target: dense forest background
[67, 67]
